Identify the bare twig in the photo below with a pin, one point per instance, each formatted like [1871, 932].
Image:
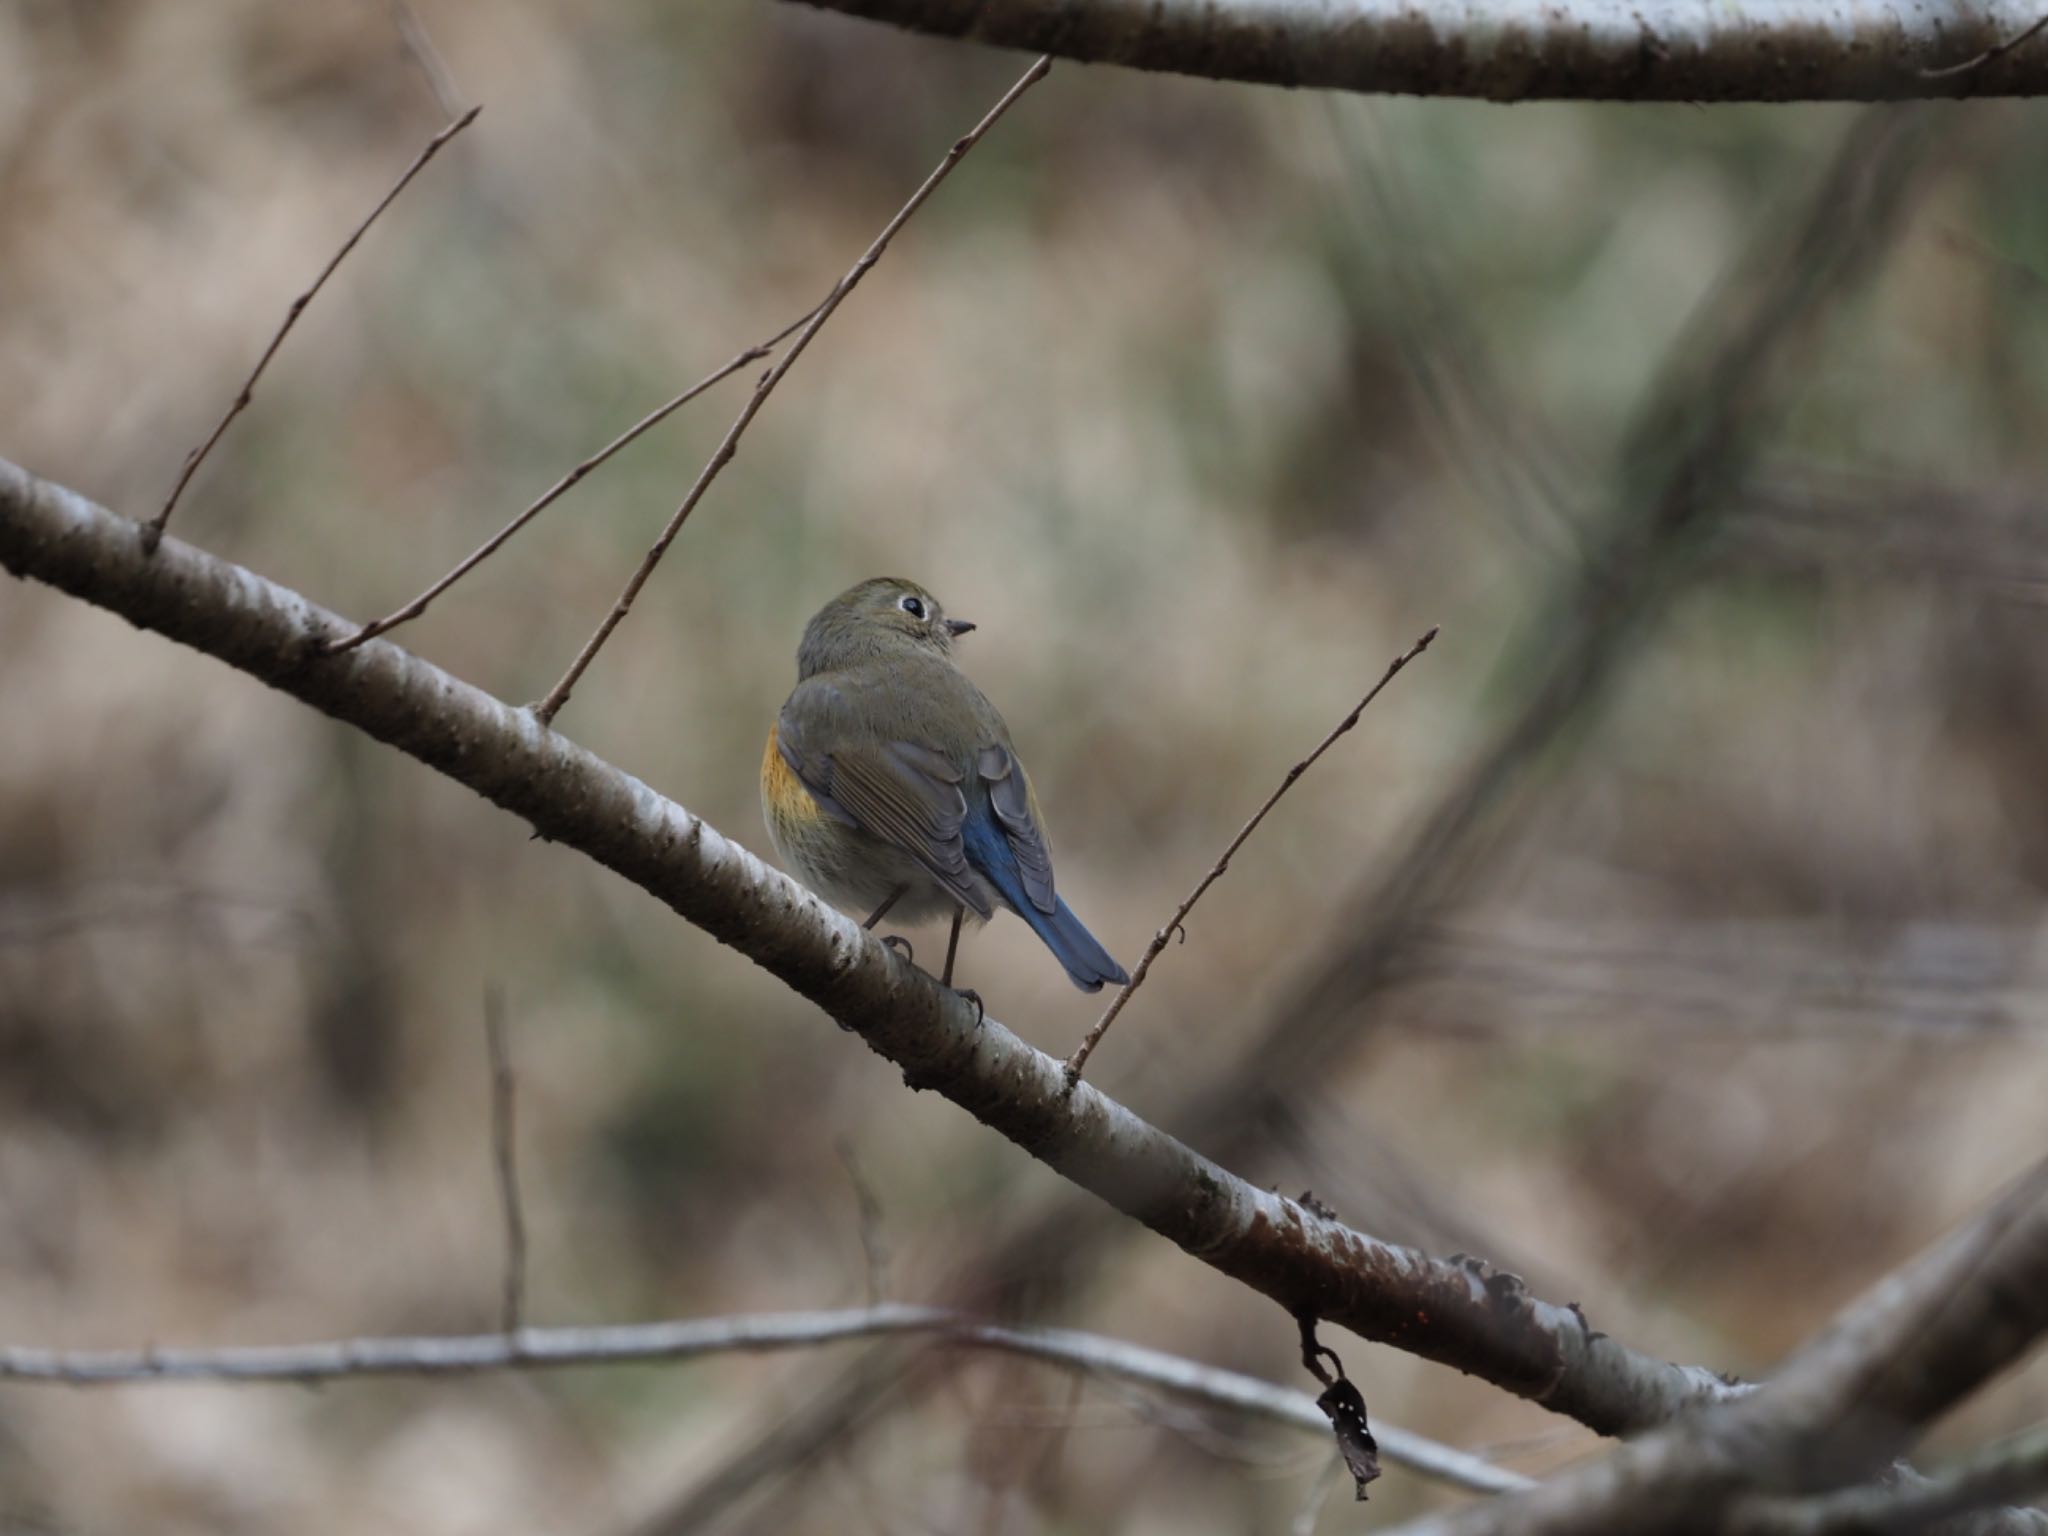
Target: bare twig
[419, 47]
[505, 1158]
[1997, 50]
[549, 707]
[1079, 1060]
[153, 530]
[545, 1348]
[554, 493]
[469, 1354]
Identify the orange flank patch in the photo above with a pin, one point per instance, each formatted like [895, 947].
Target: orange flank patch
[782, 789]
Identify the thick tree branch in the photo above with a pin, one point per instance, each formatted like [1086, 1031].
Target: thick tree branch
[1857, 1395]
[1519, 50]
[1462, 1314]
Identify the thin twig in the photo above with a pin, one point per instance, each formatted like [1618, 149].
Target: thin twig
[549, 707]
[419, 47]
[504, 1157]
[543, 1348]
[554, 493]
[1997, 50]
[1077, 1062]
[153, 530]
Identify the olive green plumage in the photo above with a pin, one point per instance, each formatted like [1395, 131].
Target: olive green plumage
[890, 778]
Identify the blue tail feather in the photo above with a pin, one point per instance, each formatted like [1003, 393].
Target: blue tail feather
[1088, 964]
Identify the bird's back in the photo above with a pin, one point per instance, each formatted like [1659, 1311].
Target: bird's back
[916, 697]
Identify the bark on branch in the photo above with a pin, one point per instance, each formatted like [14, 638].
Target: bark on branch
[1854, 1397]
[1461, 1314]
[1521, 50]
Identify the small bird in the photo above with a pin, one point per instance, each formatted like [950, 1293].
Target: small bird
[890, 783]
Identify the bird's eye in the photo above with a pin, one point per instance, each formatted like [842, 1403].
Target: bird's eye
[912, 606]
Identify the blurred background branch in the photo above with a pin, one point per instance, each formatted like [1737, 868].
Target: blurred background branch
[528, 1349]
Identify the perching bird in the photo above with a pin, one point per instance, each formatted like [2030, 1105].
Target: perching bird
[890, 784]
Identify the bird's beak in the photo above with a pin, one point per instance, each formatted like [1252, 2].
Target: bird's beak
[958, 626]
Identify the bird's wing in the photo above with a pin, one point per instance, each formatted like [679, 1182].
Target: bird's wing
[1009, 794]
[901, 793]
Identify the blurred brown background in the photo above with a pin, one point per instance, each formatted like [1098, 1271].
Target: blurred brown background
[1203, 401]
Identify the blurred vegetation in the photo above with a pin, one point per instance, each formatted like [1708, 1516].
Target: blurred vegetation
[1203, 401]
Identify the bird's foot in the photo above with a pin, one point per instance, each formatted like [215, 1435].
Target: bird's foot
[901, 945]
[973, 997]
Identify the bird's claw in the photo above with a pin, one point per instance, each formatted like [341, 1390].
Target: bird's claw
[974, 997]
[901, 945]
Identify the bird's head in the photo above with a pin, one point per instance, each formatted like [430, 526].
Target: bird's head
[874, 618]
